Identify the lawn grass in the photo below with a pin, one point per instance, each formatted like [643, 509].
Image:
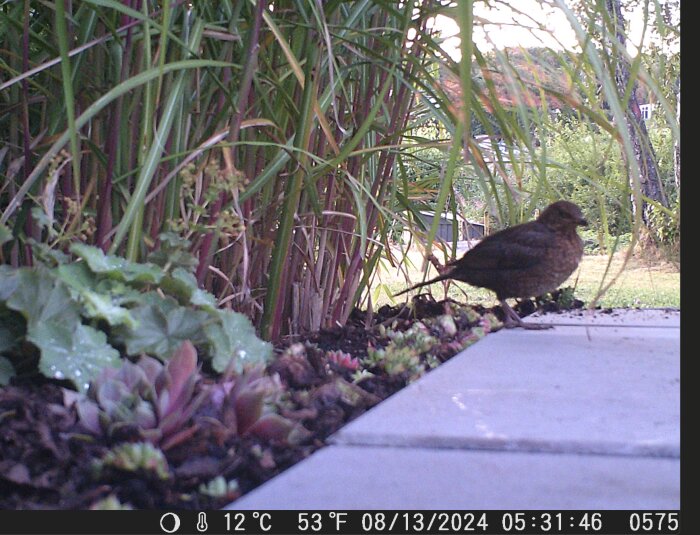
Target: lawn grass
[642, 283]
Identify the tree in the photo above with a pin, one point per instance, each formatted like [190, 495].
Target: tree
[646, 161]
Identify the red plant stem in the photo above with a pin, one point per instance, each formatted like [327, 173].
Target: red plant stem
[246, 84]
[104, 207]
[399, 113]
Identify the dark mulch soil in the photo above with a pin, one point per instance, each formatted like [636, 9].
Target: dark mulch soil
[46, 459]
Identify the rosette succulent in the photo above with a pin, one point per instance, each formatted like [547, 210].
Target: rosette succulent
[246, 405]
[343, 360]
[158, 400]
[166, 404]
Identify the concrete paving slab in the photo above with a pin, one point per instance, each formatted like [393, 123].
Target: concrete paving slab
[583, 416]
[600, 390]
[616, 317]
[340, 477]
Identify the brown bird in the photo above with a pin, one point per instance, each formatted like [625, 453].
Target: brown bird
[525, 260]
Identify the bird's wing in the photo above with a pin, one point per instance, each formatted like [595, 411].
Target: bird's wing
[513, 248]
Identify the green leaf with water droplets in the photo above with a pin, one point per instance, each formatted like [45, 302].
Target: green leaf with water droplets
[183, 285]
[8, 281]
[232, 340]
[116, 267]
[72, 351]
[40, 297]
[161, 329]
[81, 282]
[7, 371]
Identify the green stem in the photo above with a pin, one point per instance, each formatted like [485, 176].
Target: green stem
[68, 93]
[273, 305]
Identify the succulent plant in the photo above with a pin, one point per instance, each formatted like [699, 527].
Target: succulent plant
[141, 457]
[343, 360]
[490, 322]
[110, 503]
[402, 354]
[246, 403]
[166, 403]
[156, 399]
[220, 488]
[294, 365]
[446, 324]
[426, 343]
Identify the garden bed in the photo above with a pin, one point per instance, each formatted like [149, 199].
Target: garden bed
[328, 378]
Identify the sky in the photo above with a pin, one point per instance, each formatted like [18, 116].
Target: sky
[495, 29]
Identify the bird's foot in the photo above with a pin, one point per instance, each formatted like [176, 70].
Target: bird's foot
[512, 320]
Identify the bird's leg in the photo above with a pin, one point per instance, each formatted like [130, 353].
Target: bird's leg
[512, 319]
[437, 265]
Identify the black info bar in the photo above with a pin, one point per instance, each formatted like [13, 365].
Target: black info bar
[337, 522]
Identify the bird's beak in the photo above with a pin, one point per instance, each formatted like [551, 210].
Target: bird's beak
[582, 222]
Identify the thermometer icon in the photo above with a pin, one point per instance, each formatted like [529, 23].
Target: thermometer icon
[202, 522]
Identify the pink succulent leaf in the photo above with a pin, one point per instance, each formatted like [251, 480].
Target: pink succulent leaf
[144, 416]
[168, 404]
[228, 417]
[110, 393]
[171, 423]
[88, 413]
[163, 404]
[179, 418]
[107, 373]
[181, 367]
[151, 367]
[70, 397]
[176, 383]
[131, 375]
[271, 427]
[249, 407]
[245, 380]
[343, 360]
[178, 437]
[217, 395]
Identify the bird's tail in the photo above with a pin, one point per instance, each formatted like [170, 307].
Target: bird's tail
[426, 283]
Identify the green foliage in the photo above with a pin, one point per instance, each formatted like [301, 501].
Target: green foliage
[586, 167]
[666, 224]
[597, 242]
[80, 315]
[325, 130]
[5, 234]
[566, 298]
[7, 372]
[233, 342]
[117, 268]
[69, 349]
[161, 327]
